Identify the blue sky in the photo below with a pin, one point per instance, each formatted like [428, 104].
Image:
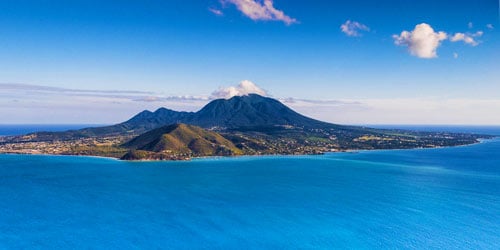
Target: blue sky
[293, 49]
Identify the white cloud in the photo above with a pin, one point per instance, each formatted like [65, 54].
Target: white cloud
[353, 28]
[405, 111]
[298, 102]
[216, 11]
[244, 88]
[47, 104]
[455, 55]
[490, 26]
[466, 38]
[261, 10]
[23, 103]
[422, 42]
[68, 91]
[25, 92]
[180, 99]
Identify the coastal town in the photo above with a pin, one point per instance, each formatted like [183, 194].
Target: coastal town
[85, 146]
[284, 141]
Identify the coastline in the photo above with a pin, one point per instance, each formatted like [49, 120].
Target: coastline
[480, 141]
[63, 155]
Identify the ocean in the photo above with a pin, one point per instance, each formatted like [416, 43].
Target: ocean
[21, 129]
[445, 198]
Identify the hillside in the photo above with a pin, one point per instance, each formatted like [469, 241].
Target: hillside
[251, 125]
[237, 112]
[178, 141]
[250, 111]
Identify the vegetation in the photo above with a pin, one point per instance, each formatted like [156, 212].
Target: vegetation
[250, 125]
[179, 141]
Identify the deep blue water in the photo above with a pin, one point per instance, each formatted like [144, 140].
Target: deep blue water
[446, 198]
[21, 129]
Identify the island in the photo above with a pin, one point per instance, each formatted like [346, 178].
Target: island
[242, 125]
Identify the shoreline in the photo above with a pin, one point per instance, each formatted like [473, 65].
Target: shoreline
[480, 141]
[262, 155]
[62, 155]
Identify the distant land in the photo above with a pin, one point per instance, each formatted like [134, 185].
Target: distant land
[242, 125]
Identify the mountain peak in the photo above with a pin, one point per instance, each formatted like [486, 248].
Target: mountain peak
[163, 110]
[246, 111]
[250, 110]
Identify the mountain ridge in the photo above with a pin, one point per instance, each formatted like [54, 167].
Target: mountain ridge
[254, 124]
[237, 112]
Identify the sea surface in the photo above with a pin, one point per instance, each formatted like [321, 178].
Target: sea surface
[446, 198]
[21, 129]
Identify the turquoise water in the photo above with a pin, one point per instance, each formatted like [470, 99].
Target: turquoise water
[424, 199]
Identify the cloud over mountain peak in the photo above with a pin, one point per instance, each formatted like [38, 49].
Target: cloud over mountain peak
[245, 87]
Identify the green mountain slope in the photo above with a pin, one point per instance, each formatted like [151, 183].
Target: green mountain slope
[179, 141]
